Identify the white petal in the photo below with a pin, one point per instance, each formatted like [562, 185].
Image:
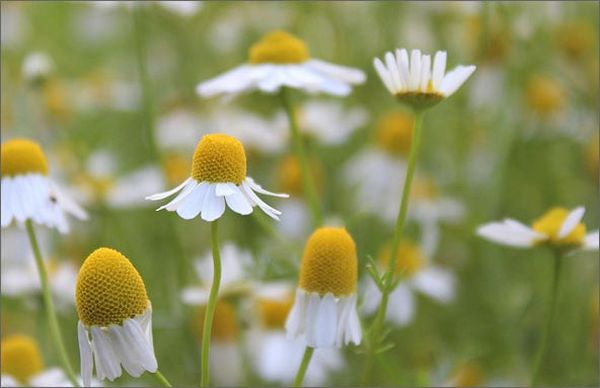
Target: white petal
[6, 213]
[239, 203]
[191, 205]
[213, 206]
[271, 212]
[591, 241]
[144, 353]
[294, 324]
[425, 72]
[436, 283]
[385, 76]
[415, 70]
[403, 66]
[15, 200]
[439, 67]
[258, 188]
[394, 72]
[342, 73]
[326, 322]
[571, 222]
[225, 189]
[123, 350]
[85, 355]
[401, 307]
[455, 78]
[107, 362]
[174, 203]
[237, 80]
[510, 233]
[312, 311]
[163, 195]
[354, 323]
[194, 296]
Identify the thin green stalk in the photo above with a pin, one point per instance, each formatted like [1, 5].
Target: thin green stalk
[50, 312]
[389, 275]
[162, 379]
[210, 307]
[549, 319]
[308, 184]
[308, 352]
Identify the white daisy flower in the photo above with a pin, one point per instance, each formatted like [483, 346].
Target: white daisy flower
[279, 357]
[418, 276]
[235, 263]
[281, 60]
[27, 191]
[559, 228]
[218, 177]
[115, 318]
[418, 81]
[324, 311]
[23, 366]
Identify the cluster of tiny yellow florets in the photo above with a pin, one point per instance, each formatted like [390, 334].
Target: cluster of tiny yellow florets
[329, 263]
[22, 156]
[109, 289]
[279, 47]
[274, 312]
[219, 158]
[21, 358]
[550, 224]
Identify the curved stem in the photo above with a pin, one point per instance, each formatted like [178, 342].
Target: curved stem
[389, 275]
[50, 312]
[162, 379]
[549, 318]
[308, 185]
[211, 305]
[308, 352]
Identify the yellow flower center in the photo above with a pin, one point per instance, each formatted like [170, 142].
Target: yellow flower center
[577, 39]
[177, 168]
[21, 358]
[225, 326]
[394, 132]
[409, 259]
[219, 158]
[109, 289]
[22, 156]
[329, 264]
[469, 375]
[290, 175]
[550, 224]
[279, 47]
[274, 312]
[544, 95]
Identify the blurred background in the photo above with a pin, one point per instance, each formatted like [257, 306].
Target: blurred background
[108, 89]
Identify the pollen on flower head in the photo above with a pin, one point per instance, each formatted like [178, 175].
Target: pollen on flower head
[408, 260]
[225, 326]
[550, 224]
[290, 175]
[219, 158]
[20, 358]
[22, 156]
[544, 95]
[329, 263]
[273, 312]
[279, 47]
[109, 289]
[394, 132]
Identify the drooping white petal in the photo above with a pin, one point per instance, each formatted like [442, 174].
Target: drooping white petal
[225, 189]
[326, 322]
[435, 282]
[591, 241]
[233, 81]
[107, 362]
[191, 205]
[15, 200]
[172, 205]
[163, 195]
[238, 202]
[85, 355]
[213, 206]
[571, 221]
[510, 233]
[384, 74]
[141, 348]
[123, 350]
[310, 322]
[353, 324]
[6, 212]
[455, 78]
[271, 212]
[259, 189]
[439, 67]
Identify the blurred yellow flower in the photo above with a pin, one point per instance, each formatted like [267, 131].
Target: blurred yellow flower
[544, 95]
[394, 132]
[21, 358]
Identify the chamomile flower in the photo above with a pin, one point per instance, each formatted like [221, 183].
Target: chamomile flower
[558, 228]
[115, 318]
[279, 60]
[235, 263]
[22, 365]
[278, 357]
[324, 310]
[27, 191]
[418, 81]
[218, 177]
[419, 275]
[544, 95]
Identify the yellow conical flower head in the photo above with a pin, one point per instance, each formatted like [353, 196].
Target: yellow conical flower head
[290, 175]
[544, 95]
[409, 259]
[279, 47]
[394, 132]
[329, 264]
[22, 156]
[274, 312]
[21, 358]
[109, 289]
[225, 326]
[550, 224]
[219, 158]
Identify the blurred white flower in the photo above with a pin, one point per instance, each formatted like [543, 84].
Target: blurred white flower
[282, 60]
[419, 275]
[182, 8]
[37, 66]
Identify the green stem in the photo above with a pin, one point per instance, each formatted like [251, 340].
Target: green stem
[211, 305]
[162, 379]
[389, 275]
[308, 352]
[549, 318]
[50, 312]
[308, 185]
